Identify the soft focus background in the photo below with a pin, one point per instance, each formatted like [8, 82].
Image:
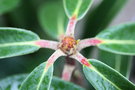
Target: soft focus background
[103, 14]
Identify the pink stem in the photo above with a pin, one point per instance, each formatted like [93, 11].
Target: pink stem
[49, 63]
[79, 57]
[67, 72]
[71, 26]
[88, 42]
[53, 58]
[47, 44]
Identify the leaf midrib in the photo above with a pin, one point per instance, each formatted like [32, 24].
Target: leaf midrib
[94, 69]
[76, 11]
[107, 41]
[41, 79]
[32, 43]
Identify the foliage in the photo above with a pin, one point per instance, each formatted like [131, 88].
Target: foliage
[59, 23]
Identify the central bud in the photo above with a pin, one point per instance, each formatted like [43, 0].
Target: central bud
[68, 45]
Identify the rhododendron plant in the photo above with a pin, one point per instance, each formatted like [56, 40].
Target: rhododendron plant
[14, 42]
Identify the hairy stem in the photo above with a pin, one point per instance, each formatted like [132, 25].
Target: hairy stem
[88, 42]
[68, 69]
[49, 63]
[47, 44]
[67, 72]
[71, 26]
[79, 57]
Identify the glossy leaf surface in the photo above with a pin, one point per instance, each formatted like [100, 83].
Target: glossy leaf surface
[59, 84]
[14, 42]
[53, 19]
[7, 5]
[121, 63]
[14, 82]
[103, 77]
[119, 39]
[101, 16]
[77, 7]
[38, 79]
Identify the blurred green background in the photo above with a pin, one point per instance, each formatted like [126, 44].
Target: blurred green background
[103, 14]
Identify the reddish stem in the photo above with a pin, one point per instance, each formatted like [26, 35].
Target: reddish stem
[79, 57]
[67, 72]
[88, 42]
[53, 58]
[71, 26]
[68, 69]
[47, 44]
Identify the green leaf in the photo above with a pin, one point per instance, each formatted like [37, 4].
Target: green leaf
[77, 7]
[119, 39]
[103, 77]
[102, 15]
[14, 42]
[38, 79]
[7, 5]
[59, 84]
[14, 82]
[53, 19]
[121, 63]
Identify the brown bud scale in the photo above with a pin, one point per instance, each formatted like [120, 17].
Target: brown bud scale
[68, 45]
